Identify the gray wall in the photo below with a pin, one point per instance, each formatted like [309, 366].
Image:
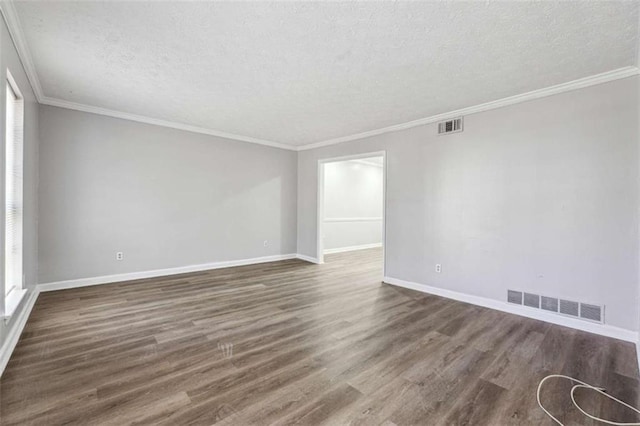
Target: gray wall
[164, 197]
[352, 200]
[539, 196]
[9, 59]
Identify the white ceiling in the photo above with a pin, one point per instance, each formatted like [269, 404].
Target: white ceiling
[301, 73]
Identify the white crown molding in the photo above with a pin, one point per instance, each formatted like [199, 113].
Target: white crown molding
[17, 35]
[500, 103]
[591, 327]
[15, 29]
[158, 122]
[511, 100]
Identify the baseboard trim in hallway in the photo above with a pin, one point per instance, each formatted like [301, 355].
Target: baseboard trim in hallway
[601, 329]
[308, 258]
[352, 248]
[131, 276]
[14, 332]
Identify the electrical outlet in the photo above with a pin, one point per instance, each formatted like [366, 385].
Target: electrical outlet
[119, 255]
[266, 243]
[438, 268]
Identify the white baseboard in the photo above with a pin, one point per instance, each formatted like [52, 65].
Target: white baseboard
[352, 248]
[13, 336]
[107, 279]
[308, 258]
[602, 329]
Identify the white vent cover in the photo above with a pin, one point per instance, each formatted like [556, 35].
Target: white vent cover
[450, 126]
[561, 306]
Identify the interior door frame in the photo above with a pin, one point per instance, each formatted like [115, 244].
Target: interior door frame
[320, 202]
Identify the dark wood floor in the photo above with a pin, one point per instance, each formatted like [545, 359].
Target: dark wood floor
[291, 342]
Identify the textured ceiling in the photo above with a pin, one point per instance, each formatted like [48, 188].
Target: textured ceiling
[299, 73]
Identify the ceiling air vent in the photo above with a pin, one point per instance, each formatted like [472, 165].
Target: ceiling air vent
[450, 126]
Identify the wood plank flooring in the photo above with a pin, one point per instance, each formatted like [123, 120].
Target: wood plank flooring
[295, 343]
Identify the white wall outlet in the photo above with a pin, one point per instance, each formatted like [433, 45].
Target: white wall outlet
[438, 268]
[266, 243]
[119, 255]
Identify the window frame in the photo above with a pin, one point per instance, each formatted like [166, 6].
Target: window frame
[14, 296]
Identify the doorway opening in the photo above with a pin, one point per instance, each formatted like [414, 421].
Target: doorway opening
[351, 207]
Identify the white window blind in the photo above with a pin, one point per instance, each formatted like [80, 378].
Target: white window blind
[13, 188]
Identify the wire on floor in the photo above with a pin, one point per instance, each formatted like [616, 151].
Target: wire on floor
[584, 385]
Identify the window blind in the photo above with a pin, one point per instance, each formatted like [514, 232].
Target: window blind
[13, 190]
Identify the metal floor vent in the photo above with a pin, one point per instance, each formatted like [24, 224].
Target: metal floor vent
[549, 304]
[570, 308]
[514, 297]
[591, 312]
[531, 300]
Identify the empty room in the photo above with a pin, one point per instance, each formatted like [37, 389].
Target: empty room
[338, 213]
